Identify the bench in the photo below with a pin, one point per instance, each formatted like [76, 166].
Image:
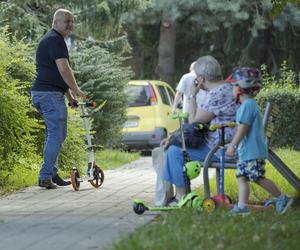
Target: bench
[271, 113]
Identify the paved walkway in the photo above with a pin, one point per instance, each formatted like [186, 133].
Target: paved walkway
[91, 218]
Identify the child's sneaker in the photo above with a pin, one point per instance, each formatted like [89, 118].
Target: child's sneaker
[239, 211]
[270, 202]
[283, 203]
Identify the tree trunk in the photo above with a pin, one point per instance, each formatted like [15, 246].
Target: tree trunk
[166, 51]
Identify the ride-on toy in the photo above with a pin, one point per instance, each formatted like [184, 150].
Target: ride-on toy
[221, 199]
[191, 169]
[94, 173]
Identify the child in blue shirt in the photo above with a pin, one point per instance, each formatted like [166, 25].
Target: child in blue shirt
[249, 141]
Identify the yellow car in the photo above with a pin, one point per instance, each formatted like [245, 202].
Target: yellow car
[148, 114]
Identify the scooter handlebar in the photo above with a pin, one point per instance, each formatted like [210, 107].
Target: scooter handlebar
[214, 127]
[92, 104]
[183, 115]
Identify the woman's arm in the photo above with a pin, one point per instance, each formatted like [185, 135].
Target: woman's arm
[202, 116]
[198, 115]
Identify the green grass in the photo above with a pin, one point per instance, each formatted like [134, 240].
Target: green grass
[17, 179]
[21, 177]
[110, 159]
[290, 157]
[189, 229]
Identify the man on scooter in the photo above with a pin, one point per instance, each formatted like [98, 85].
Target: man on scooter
[54, 79]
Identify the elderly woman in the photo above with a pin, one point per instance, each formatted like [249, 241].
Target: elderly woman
[219, 107]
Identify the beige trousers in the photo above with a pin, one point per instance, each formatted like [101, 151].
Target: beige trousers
[163, 189]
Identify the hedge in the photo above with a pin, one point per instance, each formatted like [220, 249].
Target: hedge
[287, 131]
[284, 91]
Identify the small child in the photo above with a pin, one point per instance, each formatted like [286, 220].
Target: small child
[249, 141]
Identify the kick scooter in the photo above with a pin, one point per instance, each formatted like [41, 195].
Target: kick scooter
[221, 199]
[94, 173]
[191, 169]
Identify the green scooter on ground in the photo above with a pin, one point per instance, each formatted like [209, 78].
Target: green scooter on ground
[191, 169]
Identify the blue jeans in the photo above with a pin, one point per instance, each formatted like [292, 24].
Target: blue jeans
[173, 165]
[52, 107]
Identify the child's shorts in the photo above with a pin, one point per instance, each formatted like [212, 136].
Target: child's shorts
[252, 170]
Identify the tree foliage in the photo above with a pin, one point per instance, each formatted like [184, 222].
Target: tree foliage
[237, 32]
[279, 5]
[100, 19]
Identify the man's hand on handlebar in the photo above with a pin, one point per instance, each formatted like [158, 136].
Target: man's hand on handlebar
[80, 93]
[73, 103]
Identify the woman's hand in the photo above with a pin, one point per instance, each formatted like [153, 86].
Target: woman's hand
[164, 143]
[195, 89]
[198, 84]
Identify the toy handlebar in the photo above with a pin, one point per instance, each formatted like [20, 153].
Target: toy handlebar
[214, 127]
[183, 115]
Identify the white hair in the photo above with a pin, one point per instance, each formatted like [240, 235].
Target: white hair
[209, 68]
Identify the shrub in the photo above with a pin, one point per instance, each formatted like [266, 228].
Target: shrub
[73, 150]
[17, 143]
[100, 73]
[284, 92]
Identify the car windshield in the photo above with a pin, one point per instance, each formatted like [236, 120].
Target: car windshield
[138, 95]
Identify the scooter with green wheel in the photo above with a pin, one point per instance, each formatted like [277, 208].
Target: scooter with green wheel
[191, 170]
[94, 173]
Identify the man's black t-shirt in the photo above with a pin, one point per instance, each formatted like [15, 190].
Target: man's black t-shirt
[51, 47]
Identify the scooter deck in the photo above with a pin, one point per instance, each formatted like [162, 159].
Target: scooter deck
[222, 200]
[255, 207]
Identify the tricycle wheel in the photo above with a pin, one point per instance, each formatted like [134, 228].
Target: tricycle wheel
[139, 208]
[75, 179]
[98, 177]
[208, 205]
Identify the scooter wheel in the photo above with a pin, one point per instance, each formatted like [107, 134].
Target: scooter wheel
[75, 179]
[139, 208]
[209, 205]
[228, 199]
[98, 177]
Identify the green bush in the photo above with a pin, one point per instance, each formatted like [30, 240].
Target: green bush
[74, 150]
[17, 140]
[100, 73]
[284, 92]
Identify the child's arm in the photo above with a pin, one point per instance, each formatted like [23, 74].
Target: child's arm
[239, 135]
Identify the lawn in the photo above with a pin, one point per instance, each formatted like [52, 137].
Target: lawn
[189, 229]
[110, 159]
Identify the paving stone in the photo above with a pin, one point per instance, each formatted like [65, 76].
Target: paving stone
[91, 218]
